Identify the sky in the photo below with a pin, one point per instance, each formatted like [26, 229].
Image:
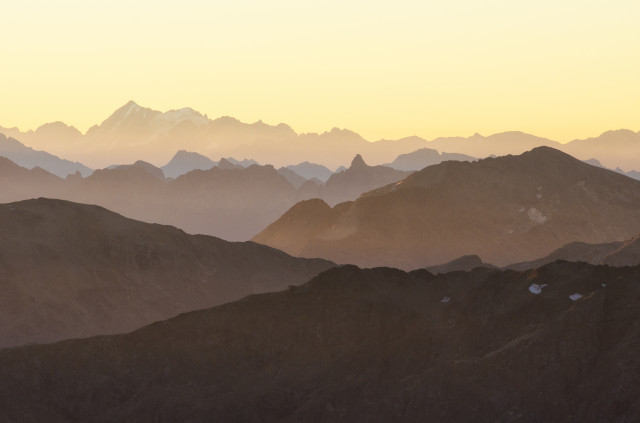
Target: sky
[385, 69]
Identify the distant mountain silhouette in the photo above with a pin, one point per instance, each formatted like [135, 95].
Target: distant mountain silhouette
[613, 149]
[73, 270]
[19, 183]
[353, 345]
[228, 200]
[424, 157]
[133, 132]
[296, 180]
[464, 263]
[501, 144]
[357, 179]
[186, 161]
[506, 210]
[27, 157]
[311, 170]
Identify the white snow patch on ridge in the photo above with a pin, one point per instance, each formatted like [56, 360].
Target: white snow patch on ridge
[536, 288]
[575, 297]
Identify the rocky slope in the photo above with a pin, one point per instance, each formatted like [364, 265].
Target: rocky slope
[72, 270]
[357, 345]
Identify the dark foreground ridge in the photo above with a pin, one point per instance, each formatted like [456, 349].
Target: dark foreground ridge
[354, 345]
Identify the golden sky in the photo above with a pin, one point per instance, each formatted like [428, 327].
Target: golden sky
[385, 69]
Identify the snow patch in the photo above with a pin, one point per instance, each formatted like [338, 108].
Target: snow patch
[575, 297]
[535, 288]
[603, 284]
[445, 300]
[536, 216]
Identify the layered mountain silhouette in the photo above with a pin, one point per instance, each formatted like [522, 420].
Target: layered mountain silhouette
[620, 148]
[186, 161]
[311, 170]
[133, 132]
[29, 158]
[227, 200]
[424, 157]
[512, 142]
[357, 179]
[506, 210]
[73, 270]
[19, 183]
[558, 343]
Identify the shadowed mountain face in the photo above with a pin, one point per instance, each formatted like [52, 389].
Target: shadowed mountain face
[621, 253]
[355, 345]
[506, 210]
[72, 270]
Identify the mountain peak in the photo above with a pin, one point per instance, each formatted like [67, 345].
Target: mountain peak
[358, 162]
[226, 164]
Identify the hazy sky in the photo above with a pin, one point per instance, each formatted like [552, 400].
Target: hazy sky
[386, 69]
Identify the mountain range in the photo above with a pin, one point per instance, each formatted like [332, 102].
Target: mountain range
[352, 345]
[133, 132]
[71, 270]
[507, 209]
[228, 200]
[29, 158]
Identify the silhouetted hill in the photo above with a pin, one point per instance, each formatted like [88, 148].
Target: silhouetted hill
[355, 345]
[73, 270]
[506, 209]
